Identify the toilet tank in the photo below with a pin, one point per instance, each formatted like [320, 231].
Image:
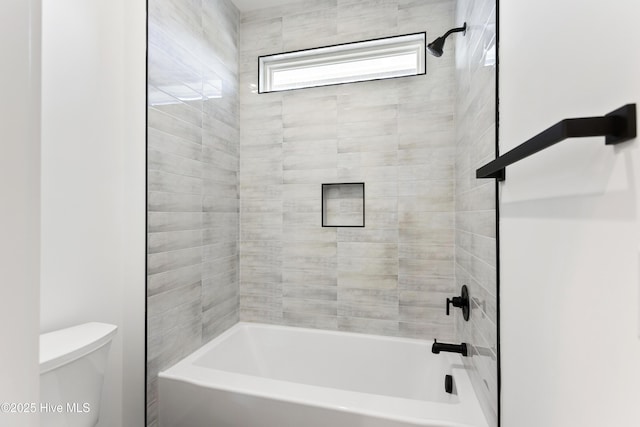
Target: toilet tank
[72, 366]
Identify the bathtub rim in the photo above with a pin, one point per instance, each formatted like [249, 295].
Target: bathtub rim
[464, 413]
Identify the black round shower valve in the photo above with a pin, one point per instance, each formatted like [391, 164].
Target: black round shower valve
[461, 302]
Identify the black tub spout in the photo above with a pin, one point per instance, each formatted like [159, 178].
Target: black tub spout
[437, 347]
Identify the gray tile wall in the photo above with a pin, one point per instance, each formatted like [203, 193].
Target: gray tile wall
[475, 199]
[397, 136]
[214, 180]
[193, 160]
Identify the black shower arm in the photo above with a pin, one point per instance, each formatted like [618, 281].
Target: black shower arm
[455, 30]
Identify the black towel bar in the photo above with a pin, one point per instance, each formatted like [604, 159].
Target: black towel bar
[617, 126]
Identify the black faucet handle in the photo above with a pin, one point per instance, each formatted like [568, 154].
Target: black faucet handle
[461, 302]
[456, 302]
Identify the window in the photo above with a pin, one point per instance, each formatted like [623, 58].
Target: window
[385, 58]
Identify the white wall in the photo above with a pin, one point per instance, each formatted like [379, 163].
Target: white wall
[20, 211]
[134, 217]
[93, 191]
[570, 276]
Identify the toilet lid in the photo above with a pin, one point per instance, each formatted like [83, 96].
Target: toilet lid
[60, 347]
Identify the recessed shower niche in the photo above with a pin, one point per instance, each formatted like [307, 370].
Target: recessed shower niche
[343, 205]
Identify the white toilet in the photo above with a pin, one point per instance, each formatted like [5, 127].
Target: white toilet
[72, 366]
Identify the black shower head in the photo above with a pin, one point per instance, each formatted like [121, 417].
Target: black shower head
[436, 47]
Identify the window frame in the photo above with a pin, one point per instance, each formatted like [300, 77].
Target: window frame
[339, 53]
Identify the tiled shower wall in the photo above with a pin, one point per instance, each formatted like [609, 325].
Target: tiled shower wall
[193, 159]
[397, 136]
[475, 198]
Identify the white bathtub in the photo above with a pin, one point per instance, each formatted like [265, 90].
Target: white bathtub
[258, 375]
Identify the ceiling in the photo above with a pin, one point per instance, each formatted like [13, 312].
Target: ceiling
[248, 5]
